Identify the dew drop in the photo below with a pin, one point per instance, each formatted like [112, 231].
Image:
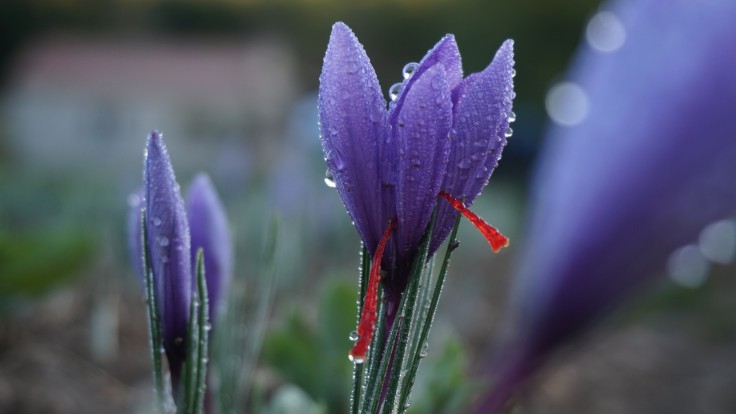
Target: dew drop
[393, 91]
[134, 200]
[416, 162]
[329, 179]
[512, 117]
[353, 336]
[509, 132]
[424, 351]
[156, 221]
[163, 241]
[356, 360]
[464, 163]
[409, 69]
[513, 73]
[164, 259]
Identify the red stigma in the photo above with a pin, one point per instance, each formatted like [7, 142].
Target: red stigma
[495, 239]
[368, 317]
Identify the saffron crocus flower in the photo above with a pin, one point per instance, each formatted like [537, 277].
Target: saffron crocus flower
[169, 250]
[651, 165]
[210, 232]
[174, 237]
[440, 132]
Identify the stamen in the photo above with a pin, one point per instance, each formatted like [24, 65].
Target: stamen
[368, 317]
[495, 239]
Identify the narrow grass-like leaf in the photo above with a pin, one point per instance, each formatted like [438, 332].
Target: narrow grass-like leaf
[187, 400]
[154, 323]
[427, 323]
[358, 369]
[373, 396]
[203, 328]
[374, 355]
[396, 376]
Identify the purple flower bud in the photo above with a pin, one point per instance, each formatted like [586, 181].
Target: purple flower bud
[209, 230]
[652, 164]
[168, 249]
[440, 132]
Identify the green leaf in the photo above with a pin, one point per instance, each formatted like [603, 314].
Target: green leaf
[154, 323]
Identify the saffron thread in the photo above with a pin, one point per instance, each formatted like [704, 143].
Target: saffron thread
[494, 237]
[368, 316]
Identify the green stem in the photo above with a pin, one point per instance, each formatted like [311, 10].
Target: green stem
[154, 323]
[416, 359]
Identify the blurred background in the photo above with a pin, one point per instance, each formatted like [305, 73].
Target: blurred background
[232, 85]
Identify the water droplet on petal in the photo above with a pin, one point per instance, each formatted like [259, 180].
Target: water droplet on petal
[163, 241]
[329, 179]
[464, 163]
[409, 69]
[509, 132]
[353, 336]
[513, 73]
[416, 162]
[156, 221]
[164, 259]
[512, 117]
[393, 91]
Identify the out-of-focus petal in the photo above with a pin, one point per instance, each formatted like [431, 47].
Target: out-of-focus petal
[422, 134]
[481, 120]
[210, 232]
[352, 115]
[168, 247]
[650, 166]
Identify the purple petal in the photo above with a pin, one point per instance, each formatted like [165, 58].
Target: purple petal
[352, 115]
[210, 232]
[445, 53]
[422, 134]
[168, 246]
[479, 134]
[650, 166]
[136, 203]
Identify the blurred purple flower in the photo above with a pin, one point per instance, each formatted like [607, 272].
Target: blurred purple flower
[169, 250]
[173, 249]
[652, 164]
[440, 132]
[210, 232]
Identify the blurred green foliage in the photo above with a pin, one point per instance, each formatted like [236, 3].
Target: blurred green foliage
[34, 262]
[314, 357]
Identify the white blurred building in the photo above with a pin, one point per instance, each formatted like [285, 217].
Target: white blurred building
[89, 103]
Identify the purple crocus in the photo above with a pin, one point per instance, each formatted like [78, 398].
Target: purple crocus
[210, 232]
[174, 237]
[169, 250]
[440, 132]
[652, 164]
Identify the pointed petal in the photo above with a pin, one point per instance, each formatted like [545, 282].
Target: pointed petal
[352, 115]
[479, 133]
[210, 232]
[422, 134]
[168, 246]
[445, 53]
